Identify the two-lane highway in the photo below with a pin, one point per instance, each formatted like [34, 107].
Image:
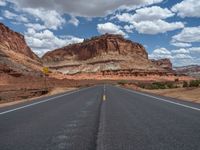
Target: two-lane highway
[101, 118]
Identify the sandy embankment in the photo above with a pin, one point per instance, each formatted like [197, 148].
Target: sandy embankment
[57, 90]
[188, 94]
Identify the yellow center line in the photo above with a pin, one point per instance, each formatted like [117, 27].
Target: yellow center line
[104, 97]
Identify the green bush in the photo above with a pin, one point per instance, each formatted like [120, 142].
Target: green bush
[194, 83]
[158, 85]
[185, 84]
[122, 82]
[170, 85]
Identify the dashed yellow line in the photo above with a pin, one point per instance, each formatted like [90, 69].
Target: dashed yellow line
[104, 97]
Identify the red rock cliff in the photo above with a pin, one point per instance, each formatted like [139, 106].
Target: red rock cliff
[16, 57]
[164, 63]
[97, 46]
[13, 41]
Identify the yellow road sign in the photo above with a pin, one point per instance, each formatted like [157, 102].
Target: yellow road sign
[45, 70]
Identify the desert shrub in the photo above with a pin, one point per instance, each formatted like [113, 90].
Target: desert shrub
[170, 85]
[156, 85]
[141, 85]
[176, 80]
[122, 82]
[185, 84]
[194, 83]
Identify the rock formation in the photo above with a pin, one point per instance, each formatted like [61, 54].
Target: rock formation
[13, 41]
[164, 63]
[16, 58]
[191, 70]
[100, 54]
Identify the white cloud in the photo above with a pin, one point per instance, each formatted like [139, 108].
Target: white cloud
[181, 44]
[179, 57]
[44, 41]
[129, 28]
[181, 51]
[182, 56]
[74, 21]
[1, 18]
[188, 34]
[187, 8]
[9, 15]
[110, 28]
[146, 14]
[12, 16]
[86, 8]
[195, 50]
[35, 26]
[150, 20]
[51, 18]
[160, 53]
[2, 3]
[155, 27]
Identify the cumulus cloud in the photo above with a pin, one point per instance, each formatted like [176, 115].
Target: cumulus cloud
[51, 18]
[86, 8]
[160, 53]
[181, 44]
[35, 26]
[187, 8]
[146, 14]
[150, 20]
[181, 51]
[2, 3]
[110, 28]
[195, 50]
[12, 16]
[45, 40]
[188, 34]
[74, 21]
[129, 28]
[155, 27]
[179, 57]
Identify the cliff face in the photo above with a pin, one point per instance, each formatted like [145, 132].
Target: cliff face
[13, 41]
[106, 52]
[163, 63]
[16, 58]
[191, 70]
[106, 44]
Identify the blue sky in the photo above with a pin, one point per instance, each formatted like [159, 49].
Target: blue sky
[167, 28]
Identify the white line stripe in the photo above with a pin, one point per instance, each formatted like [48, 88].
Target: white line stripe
[161, 99]
[43, 101]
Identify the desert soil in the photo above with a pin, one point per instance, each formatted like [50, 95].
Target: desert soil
[188, 94]
[56, 90]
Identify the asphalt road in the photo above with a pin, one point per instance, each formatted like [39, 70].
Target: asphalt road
[101, 118]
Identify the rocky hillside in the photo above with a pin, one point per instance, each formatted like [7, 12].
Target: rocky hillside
[104, 53]
[164, 63]
[16, 58]
[191, 70]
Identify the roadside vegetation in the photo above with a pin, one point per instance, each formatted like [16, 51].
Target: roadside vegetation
[170, 84]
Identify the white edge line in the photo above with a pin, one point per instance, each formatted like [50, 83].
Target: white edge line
[42, 101]
[161, 99]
